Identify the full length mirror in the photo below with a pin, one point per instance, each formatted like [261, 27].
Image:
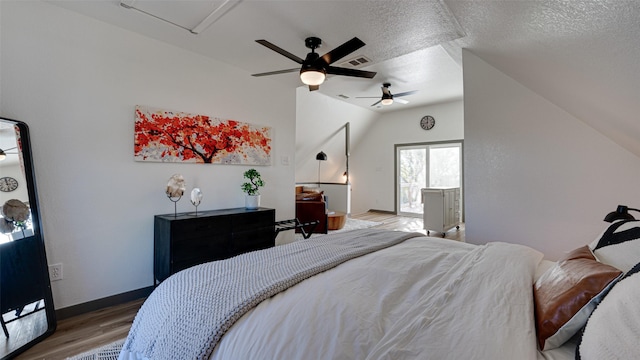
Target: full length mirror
[26, 304]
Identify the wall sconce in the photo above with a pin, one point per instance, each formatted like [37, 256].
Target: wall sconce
[321, 156]
[621, 213]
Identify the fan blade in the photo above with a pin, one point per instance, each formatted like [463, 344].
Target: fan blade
[401, 101]
[276, 72]
[376, 103]
[314, 87]
[280, 51]
[343, 50]
[349, 72]
[406, 93]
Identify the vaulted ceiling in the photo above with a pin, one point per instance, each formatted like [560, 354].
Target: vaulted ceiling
[582, 55]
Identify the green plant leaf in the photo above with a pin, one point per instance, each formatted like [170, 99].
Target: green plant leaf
[255, 182]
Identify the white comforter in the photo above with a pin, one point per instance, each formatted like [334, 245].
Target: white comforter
[426, 298]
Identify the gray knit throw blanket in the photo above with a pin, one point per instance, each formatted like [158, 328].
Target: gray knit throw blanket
[187, 314]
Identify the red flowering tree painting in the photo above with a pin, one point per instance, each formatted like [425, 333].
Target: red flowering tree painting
[169, 136]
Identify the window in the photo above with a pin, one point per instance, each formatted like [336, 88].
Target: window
[425, 165]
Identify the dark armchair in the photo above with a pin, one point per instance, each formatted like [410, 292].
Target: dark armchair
[310, 206]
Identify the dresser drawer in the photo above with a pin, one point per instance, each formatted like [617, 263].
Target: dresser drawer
[195, 228]
[185, 240]
[251, 221]
[207, 247]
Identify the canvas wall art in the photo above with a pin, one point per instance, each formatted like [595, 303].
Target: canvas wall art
[171, 136]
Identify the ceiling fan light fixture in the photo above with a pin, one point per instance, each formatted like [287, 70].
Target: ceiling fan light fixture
[387, 99]
[312, 76]
[315, 68]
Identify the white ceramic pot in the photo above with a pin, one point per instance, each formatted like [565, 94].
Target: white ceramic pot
[252, 202]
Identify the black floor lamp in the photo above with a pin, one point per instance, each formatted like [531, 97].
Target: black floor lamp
[321, 156]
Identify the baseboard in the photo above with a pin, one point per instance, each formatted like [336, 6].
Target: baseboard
[383, 211]
[98, 304]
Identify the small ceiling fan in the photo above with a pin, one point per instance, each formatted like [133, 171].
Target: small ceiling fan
[315, 67]
[3, 153]
[387, 97]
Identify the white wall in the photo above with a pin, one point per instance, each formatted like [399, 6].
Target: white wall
[373, 161]
[320, 120]
[75, 82]
[320, 127]
[535, 174]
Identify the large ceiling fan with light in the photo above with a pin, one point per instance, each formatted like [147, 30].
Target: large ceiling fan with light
[387, 97]
[315, 67]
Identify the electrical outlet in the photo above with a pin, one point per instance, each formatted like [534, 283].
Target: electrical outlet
[55, 272]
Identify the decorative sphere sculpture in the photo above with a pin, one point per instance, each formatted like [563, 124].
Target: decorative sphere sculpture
[175, 187]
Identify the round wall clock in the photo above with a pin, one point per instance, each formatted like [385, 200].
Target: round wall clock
[8, 184]
[427, 122]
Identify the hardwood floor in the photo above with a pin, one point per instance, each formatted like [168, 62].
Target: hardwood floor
[393, 222]
[31, 323]
[84, 332]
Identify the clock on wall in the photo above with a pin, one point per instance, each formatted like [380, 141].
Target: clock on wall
[8, 184]
[427, 122]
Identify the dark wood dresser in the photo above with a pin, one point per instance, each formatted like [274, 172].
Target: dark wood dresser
[184, 240]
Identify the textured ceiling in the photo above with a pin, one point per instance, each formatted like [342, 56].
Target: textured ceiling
[582, 55]
[396, 34]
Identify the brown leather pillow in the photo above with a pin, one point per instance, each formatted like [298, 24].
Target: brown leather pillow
[566, 294]
[309, 196]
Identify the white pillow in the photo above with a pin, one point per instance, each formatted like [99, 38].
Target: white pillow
[613, 328]
[619, 245]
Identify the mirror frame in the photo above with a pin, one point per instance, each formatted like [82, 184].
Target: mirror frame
[27, 162]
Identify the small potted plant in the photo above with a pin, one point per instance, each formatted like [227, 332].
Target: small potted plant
[252, 200]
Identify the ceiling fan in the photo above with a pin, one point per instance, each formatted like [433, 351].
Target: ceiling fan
[3, 153]
[387, 97]
[315, 67]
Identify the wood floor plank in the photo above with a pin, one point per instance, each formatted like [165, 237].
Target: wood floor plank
[393, 222]
[87, 331]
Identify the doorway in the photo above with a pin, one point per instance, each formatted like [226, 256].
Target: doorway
[433, 164]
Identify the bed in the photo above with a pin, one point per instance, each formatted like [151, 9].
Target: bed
[376, 294]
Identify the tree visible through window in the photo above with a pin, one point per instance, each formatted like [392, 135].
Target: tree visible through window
[425, 165]
[412, 177]
[444, 166]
